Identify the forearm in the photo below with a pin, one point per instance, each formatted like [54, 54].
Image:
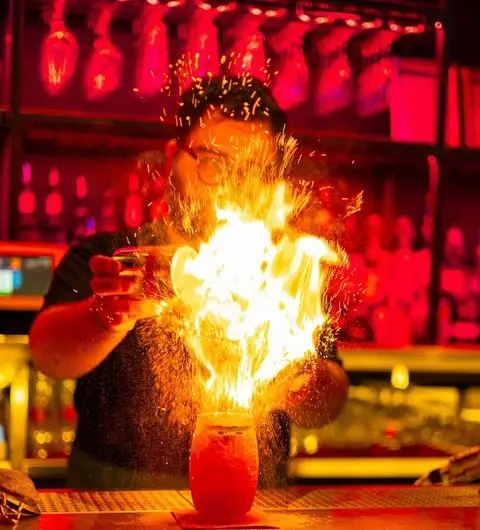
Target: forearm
[68, 341]
[322, 400]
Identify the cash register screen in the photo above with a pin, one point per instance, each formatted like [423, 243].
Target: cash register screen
[25, 275]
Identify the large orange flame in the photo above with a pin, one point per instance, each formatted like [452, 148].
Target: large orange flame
[254, 291]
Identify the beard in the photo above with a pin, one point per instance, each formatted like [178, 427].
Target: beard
[191, 212]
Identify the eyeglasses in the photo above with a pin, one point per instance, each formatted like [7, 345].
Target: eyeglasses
[209, 163]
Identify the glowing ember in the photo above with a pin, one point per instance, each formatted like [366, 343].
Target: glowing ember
[255, 288]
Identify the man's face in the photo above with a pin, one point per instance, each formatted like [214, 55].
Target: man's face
[196, 164]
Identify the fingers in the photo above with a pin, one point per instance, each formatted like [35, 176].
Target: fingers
[104, 266]
[109, 277]
[106, 286]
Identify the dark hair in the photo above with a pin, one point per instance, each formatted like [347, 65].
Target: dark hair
[238, 98]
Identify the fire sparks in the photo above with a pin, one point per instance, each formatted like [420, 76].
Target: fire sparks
[254, 289]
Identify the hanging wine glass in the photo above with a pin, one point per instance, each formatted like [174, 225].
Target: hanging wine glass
[152, 68]
[59, 53]
[334, 85]
[291, 85]
[200, 35]
[104, 69]
[246, 52]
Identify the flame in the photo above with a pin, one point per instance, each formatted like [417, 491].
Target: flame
[254, 289]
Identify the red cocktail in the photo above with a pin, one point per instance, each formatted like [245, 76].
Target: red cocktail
[224, 466]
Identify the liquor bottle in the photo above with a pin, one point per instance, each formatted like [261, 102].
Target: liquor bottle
[108, 215]
[376, 284]
[55, 226]
[26, 206]
[454, 280]
[133, 214]
[81, 213]
[402, 281]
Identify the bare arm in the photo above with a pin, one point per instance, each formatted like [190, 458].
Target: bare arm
[87, 313]
[68, 340]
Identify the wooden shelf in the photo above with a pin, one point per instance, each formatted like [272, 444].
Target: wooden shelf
[363, 468]
[37, 468]
[418, 359]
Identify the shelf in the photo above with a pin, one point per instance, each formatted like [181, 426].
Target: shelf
[37, 468]
[417, 359]
[362, 468]
[307, 468]
[5, 464]
[94, 132]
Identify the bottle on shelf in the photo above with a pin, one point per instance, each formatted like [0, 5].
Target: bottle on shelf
[401, 286]
[455, 285]
[133, 213]
[26, 207]
[422, 266]
[108, 214]
[376, 283]
[81, 215]
[55, 226]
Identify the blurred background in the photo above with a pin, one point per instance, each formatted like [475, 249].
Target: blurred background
[383, 98]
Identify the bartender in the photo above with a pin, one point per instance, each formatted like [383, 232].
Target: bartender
[88, 328]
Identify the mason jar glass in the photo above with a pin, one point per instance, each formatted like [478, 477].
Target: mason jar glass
[224, 466]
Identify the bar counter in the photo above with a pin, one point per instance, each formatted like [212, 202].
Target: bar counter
[378, 507]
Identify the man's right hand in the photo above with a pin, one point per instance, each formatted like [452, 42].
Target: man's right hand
[114, 303]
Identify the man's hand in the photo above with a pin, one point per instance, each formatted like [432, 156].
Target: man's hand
[116, 302]
[312, 394]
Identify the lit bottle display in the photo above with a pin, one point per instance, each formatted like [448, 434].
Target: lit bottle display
[224, 466]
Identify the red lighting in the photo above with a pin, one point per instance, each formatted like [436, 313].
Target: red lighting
[438, 25]
[304, 18]
[322, 20]
[271, 13]
[255, 11]
[372, 24]
[173, 3]
[204, 6]
[223, 8]
[394, 27]
[415, 29]
[351, 22]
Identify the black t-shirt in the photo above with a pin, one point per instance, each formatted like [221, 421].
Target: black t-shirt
[122, 417]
